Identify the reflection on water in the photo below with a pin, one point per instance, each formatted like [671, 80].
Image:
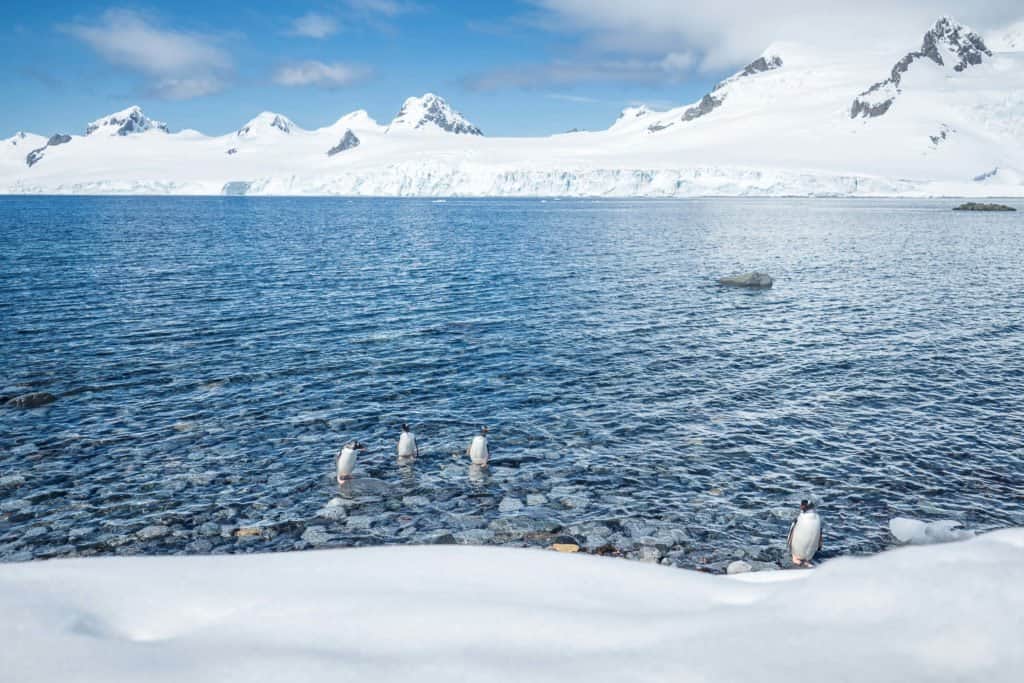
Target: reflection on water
[210, 356]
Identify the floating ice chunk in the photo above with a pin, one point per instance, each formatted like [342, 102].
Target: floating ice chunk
[916, 532]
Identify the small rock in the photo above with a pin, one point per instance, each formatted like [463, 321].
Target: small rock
[510, 504]
[755, 279]
[315, 535]
[738, 567]
[443, 538]
[153, 531]
[473, 536]
[979, 206]
[34, 400]
[246, 531]
[565, 547]
[536, 499]
[648, 553]
[11, 481]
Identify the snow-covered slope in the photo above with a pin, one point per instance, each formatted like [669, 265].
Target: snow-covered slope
[448, 613]
[944, 115]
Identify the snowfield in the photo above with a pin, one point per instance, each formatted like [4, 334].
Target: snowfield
[952, 612]
[942, 117]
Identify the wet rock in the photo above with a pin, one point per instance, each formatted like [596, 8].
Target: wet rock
[201, 546]
[536, 499]
[315, 535]
[565, 547]
[522, 525]
[152, 532]
[35, 532]
[35, 399]
[738, 567]
[11, 481]
[360, 522]
[649, 553]
[981, 206]
[510, 504]
[416, 501]
[335, 509]
[473, 536]
[443, 538]
[79, 533]
[208, 529]
[755, 280]
[248, 531]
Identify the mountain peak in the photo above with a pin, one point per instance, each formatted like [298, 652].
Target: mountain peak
[947, 43]
[125, 122]
[431, 111]
[267, 121]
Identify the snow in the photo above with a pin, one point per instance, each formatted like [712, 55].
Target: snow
[916, 532]
[782, 131]
[950, 612]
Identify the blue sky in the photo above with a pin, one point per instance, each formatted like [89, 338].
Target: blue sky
[374, 54]
[514, 68]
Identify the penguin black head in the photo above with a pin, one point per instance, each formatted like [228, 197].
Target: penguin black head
[405, 427]
[483, 430]
[806, 505]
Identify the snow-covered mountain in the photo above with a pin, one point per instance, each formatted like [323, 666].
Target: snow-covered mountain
[432, 113]
[944, 115]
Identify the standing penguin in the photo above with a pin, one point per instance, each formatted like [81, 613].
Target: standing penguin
[805, 535]
[478, 452]
[346, 460]
[407, 447]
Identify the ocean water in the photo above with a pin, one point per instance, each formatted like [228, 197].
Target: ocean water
[210, 355]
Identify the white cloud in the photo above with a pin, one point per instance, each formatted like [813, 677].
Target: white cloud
[312, 25]
[672, 68]
[316, 73]
[387, 8]
[179, 65]
[729, 33]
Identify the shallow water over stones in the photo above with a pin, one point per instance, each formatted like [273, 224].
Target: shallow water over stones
[209, 356]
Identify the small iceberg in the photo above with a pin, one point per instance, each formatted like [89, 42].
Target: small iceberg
[916, 532]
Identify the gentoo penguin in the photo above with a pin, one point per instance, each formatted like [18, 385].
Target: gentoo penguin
[478, 453]
[346, 460]
[805, 535]
[407, 447]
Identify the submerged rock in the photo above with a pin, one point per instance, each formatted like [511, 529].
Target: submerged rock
[754, 279]
[35, 399]
[979, 206]
[738, 567]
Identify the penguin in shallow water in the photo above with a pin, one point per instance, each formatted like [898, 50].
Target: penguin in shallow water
[805, 535]
[346, 460]
[478, 452]
[407, 447]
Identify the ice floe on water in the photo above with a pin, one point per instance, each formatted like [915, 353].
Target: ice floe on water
[916, 532]
[949, 612]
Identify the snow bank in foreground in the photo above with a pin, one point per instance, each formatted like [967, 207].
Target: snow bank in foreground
[446, 613]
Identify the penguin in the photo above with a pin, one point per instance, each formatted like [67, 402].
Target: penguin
[346, 460]
[478, 452]
[407, 447]
[805, 535]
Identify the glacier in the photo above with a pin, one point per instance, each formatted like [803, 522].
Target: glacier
[943, 117]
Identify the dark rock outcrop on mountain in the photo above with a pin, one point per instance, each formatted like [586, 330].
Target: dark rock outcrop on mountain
[36, 155]
[946, 36]
[430, 109]
[711, 101]
[348, 141]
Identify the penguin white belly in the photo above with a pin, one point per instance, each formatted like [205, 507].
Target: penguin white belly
[407, 445]
[478, 453]
[346, 462]
[806, 534]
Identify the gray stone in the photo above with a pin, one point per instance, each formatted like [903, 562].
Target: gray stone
[153, 531]
[11, 481]
[315, 535]
[754, 279]
[536, 499]
[738, 567]
[510, 504]
[35, 399]
[473, 536]
[348, 141]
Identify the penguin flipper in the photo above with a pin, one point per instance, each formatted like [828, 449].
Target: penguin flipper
[819, 539]
[789, 538]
